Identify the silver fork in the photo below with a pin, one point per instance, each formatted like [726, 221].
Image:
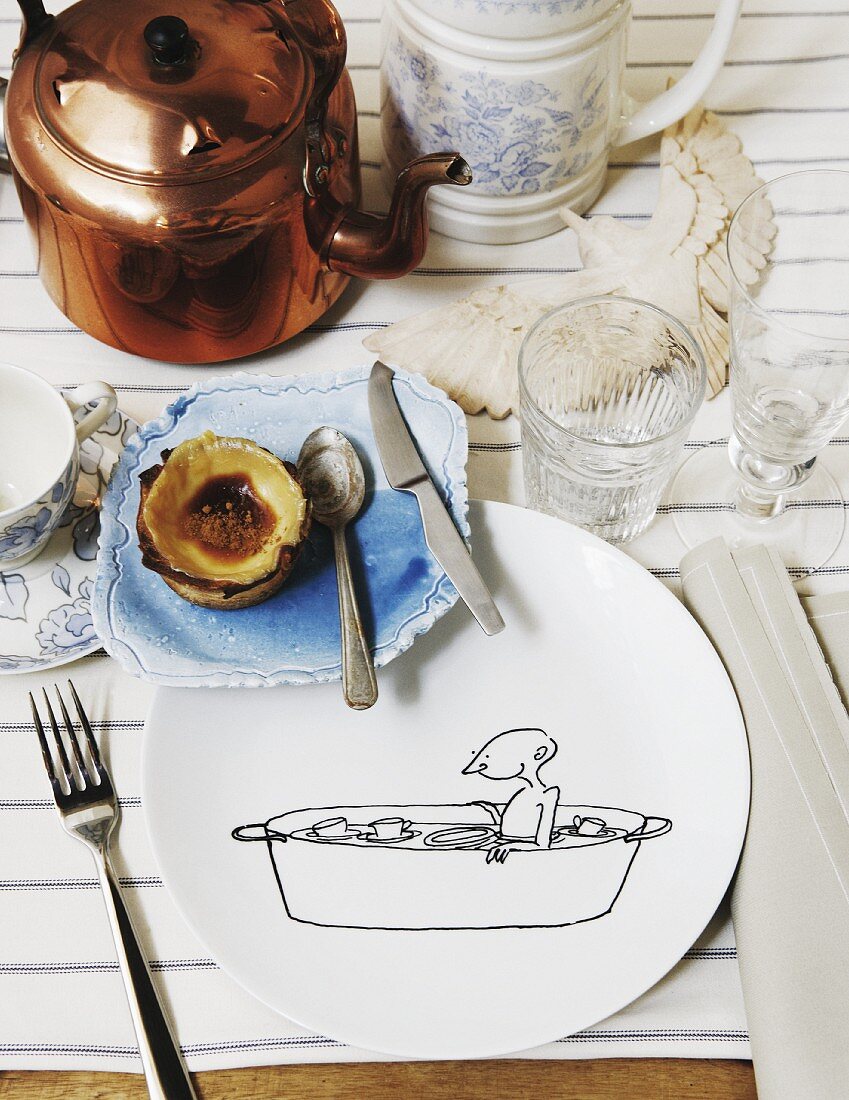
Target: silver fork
[88, 810]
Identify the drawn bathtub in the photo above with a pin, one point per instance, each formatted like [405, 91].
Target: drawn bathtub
[436, 875]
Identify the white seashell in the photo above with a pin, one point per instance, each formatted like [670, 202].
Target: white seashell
[470, 348]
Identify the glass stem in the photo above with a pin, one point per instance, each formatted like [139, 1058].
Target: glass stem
[757, 505]
[762, 484]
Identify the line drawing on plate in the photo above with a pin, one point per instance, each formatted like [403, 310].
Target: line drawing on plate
[527, 820]
[445, 866]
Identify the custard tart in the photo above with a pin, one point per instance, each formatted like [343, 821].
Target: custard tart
[222, 520]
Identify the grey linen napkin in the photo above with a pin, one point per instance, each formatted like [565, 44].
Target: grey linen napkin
[790, 898]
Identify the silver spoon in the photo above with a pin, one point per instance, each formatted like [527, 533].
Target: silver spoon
[333, 479]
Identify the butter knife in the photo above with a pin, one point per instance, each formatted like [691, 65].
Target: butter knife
[405, 471]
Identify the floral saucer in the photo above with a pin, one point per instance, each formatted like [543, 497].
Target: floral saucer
[45, 612]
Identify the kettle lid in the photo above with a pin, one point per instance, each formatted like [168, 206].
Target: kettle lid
[167, 91]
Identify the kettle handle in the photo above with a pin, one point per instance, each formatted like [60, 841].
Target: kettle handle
[5, 165]
[319, 28]
[34, 20]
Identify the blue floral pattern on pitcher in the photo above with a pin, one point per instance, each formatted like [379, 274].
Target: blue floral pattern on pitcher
[520, 137]
[526, 7]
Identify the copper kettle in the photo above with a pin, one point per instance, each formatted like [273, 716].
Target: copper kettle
[191, 179]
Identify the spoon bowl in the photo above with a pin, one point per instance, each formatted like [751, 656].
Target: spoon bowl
[332, 477]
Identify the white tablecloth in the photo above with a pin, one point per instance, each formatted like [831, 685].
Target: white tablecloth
[785, 90]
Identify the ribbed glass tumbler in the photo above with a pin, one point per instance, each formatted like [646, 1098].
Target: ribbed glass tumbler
[608, 388]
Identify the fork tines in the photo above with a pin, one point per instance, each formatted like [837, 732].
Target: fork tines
[94, 777]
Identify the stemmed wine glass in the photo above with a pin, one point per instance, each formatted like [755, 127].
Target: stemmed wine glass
[788, 254]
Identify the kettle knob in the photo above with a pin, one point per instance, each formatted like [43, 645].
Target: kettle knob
[168, 39]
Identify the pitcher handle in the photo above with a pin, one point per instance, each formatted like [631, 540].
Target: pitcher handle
[642, 119]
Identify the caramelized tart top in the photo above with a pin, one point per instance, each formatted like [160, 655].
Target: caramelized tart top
[222, 509]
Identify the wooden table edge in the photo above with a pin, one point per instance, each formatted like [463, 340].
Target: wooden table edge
[505, 1079]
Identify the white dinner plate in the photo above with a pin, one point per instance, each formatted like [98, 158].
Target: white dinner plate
[446, 952]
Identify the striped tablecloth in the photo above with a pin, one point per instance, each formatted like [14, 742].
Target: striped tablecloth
[785, 90]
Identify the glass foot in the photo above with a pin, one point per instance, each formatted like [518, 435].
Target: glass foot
[806, 534]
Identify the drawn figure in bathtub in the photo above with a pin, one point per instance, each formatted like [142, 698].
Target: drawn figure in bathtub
[437, 866]
[527, 820]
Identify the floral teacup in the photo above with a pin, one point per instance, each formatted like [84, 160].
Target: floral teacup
[39, 457]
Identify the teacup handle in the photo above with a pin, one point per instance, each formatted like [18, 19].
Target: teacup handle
[107, 403]
[642, 119]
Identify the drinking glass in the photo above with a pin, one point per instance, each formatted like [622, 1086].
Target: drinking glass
[608, 388]
[788, 254]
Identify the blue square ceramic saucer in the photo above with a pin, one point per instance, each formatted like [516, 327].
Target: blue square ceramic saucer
[293, 637]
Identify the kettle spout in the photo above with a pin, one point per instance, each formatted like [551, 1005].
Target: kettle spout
[375, 247]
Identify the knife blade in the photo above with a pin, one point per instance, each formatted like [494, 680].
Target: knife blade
[406, 472]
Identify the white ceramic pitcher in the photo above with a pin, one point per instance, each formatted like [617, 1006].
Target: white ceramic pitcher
[530, 93]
